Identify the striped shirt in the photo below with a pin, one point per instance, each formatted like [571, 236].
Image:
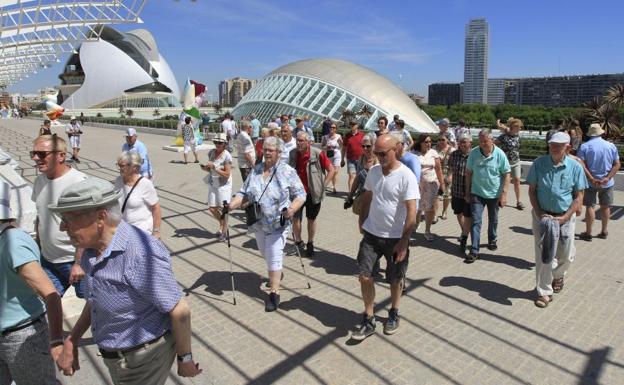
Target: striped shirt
[130, 289]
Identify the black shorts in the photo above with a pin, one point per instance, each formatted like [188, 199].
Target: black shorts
[312, 210]
[460, 206]
[372, 248]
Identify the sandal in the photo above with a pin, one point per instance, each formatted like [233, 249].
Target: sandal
[585, 236]
[602, 235]
[557, 285]
[520, 206]
[543, 301]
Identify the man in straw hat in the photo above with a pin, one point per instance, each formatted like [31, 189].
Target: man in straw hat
[74, 132]
[556, 184]
[134, 306]
[602, 162]
[23, 326]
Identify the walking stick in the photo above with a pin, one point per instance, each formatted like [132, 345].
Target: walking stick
[226, 210]
[283, 222]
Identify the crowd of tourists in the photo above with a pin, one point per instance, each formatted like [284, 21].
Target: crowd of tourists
[103, 238]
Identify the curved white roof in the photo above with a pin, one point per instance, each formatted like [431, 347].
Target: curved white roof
[366, 84]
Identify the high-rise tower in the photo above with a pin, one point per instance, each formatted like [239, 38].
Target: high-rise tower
[476, 61]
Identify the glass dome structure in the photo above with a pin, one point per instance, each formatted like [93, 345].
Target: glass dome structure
[327, 87]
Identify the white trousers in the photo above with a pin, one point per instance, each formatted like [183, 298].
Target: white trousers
[271, 247]
[545, 273]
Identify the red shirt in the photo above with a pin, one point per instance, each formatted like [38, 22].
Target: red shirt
[302, 165]
[353, 145]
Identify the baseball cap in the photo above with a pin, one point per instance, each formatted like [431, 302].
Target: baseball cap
[130, 132]
[560, 137]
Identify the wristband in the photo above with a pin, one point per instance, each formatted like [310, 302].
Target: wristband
[56, 342]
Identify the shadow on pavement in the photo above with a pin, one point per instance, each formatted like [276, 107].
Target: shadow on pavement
[518, 263]
[521, 230]
[329, 315]
[194, 232]
[218, 283]
[492, 291]
[334, 263]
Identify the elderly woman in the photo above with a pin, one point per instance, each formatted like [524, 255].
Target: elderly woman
[275, 187]
[431, 180]
[331, 144]
[509, 142]
[219, 180]
[139, 201]
[445, 149]
[264, 132]
[366, 161]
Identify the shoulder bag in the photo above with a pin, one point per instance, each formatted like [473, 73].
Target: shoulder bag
[123, 207]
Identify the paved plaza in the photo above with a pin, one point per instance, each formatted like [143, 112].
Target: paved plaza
[460, 324]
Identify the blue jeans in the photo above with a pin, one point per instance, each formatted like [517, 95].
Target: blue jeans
[477, 205]
[59, 275]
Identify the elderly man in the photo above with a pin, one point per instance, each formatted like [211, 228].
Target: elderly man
[23, 327]
[443, 125]
[311, 164]
[556, 184]
[246, 150]
[60, 259]
[135, 145]
[602, 162]
[300, 126]
[290, 143]
[460, 205]
[352, 150]
[387, 221]
[255, 127]
[487, 180]
[135, 308]
[74, 132]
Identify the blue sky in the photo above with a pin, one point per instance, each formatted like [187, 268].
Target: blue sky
[413, 43]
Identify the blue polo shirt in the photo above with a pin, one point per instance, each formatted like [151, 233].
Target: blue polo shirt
[599, 156]
[412, 162]
[487, 172]
[556, 184]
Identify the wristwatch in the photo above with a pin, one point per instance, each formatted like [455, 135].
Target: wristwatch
[188, 357]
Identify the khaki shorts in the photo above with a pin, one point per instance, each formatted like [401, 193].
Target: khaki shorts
[516, 170]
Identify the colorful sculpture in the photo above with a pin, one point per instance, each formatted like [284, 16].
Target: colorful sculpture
[53, 110]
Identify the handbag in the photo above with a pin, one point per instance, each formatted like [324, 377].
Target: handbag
[330, 153]
[253, 211]
[357, 205]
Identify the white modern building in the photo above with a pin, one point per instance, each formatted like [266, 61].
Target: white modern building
[476, 61]
[118, 70]
[327, 87]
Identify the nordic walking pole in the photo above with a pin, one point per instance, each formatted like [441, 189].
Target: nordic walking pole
[226, 210]
[283, 222]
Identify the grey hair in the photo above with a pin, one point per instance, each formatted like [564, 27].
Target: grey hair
[245, 124]
[272, 141]
[464, 136]
[131, 158]
[287, 126]
[397, 136]
[368, 138]
[486, 132]
[113, 213]
[302, 134]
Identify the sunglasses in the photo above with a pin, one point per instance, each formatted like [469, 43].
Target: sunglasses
[382, 154]
[218, 143]
[367, 146]
[41, 154]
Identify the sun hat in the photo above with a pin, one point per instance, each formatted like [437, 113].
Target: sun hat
[560, 137]
[595, 130]
[5, 202]
[220, 137]
[130, 132]
[72, 117]
[86, 194]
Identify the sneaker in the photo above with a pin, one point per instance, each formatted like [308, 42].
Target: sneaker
[222, 237]
[471, 257]
[297, 249]
[272, 303]
[367, 328]
[462, 243]
[310, 250]
[428, 236]
[392, 324]
[492, 245]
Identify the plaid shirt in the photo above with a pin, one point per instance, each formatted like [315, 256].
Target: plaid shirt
[457, 166]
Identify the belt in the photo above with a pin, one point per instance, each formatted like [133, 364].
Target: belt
[22, 326]
[120, 353]
[554, 214]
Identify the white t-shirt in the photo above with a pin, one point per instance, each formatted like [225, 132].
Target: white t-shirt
[138, 210]
[213, 178]
[287, 148]
[387, 213]
[244, 144]
[55, 244]
[228, 127]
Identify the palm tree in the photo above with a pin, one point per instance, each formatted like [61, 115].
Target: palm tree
[615, 95]
[129, 113]
[156, 113]
[347, 117]
[605, 111]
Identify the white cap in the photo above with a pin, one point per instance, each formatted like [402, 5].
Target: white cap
[130, 132]
[5, 199]
[72, 117]
[560, 137]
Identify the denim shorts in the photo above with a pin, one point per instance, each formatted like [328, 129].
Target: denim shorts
[372, 248]
[352, 166]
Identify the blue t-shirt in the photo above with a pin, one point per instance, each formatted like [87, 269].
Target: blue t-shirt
[255, 128]
[556, 184]
[487, 172]
[599, 156]
[18, 302]
[412, 162]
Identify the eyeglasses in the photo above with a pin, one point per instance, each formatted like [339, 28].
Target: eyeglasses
[41, 154]
[382, 154]
[427, 141]
[333, 126]
[367, 146]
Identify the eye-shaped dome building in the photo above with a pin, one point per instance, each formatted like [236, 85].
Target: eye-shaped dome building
[328, 87]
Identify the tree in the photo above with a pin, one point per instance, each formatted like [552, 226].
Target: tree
[129, 113]
[347, 117]
[156, 113]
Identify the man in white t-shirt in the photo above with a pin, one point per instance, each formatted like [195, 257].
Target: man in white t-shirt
[61, 260]
[246, 150]
[228, 127]
[290, 143]
[388, 218]
[74, 132]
